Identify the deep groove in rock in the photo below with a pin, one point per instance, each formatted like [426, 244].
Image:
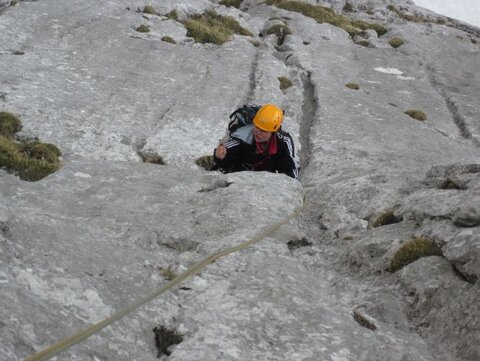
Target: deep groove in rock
[457, 117]
[309, 109]
[462, 276]
[252, 79]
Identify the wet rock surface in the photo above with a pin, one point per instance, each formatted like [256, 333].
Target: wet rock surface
[132, 115]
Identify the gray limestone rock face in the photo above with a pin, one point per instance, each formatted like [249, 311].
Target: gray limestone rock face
[132, 113]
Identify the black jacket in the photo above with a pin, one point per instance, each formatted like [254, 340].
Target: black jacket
[244, 156]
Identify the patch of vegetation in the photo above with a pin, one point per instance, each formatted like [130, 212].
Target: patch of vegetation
[416, 114]
[348, 7]
[364, 43]
[231, 3]
[412, 250]
[285, 82]
[379, 28]
[9, 125]
[281, 31]
[449, 184]
[206, 162]
[169, 39]
[396, 42]
[31, 161]
[210, 27]
[384, 219]
[164, 338]
[168, 274]
[149, 9]
[298, 243]
[143, 28]
[353, 86]
[172, 15]
[151, 157]
[363, 321]
[413, 18]
[323, 14]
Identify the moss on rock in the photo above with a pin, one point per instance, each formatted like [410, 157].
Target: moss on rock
[412, 250]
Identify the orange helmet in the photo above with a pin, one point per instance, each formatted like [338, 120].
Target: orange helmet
[269, 118]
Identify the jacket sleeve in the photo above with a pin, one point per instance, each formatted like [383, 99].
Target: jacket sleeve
[231, 161]
[287, 163]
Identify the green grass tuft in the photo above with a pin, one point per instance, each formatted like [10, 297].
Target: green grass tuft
[353, 86]
[168, 274]
[9, 124]
[143, 28]
[149, 9]
[396, 42]
[213, 28]
[416, 114]
[413, 18]
[29, 166]
[323, 14]
[384, 219]
[412, 250]
[206, 162]
[231, 3]
[285, 82]
[172, 15]
[31, 161]
[169, 39]
[364, 43]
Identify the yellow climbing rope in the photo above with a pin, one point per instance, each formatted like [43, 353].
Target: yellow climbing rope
[65, 344]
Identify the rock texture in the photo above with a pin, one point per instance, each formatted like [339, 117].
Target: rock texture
[99, 234]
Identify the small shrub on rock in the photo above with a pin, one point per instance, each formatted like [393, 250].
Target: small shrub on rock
[353, 86]
[149, 9]
[281, 31]
[213, 28]
[31, 161]
[384, 219]
[364, 43]
[412, 250]
[9, 124]
[285, 82]
[231, 3]
[169, 39]
[143, 28]
[164, 338]
[416, 114]
[324, 14]
[151, 157]
[172, 15]
[396, 42]
[206, 162]
[168, 274]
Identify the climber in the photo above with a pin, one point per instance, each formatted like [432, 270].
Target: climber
[261, 146]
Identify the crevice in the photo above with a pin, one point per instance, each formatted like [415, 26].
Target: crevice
[252, 80]
[457, 117]
[309, 109]
[217, 185]
[469, 279]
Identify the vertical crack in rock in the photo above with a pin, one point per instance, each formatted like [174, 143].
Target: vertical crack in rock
[252, 79]
[309, 109]
[457, 117]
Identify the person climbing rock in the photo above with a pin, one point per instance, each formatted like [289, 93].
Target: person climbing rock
[260, 146]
